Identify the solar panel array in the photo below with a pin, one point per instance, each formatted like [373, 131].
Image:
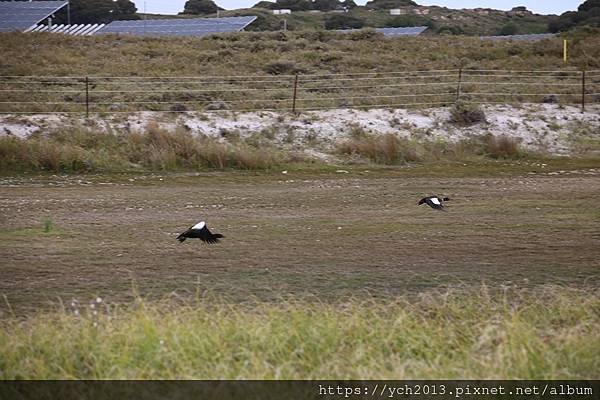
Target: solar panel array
[394, 32]
[521, 38]
[178, 27]
[22, 15]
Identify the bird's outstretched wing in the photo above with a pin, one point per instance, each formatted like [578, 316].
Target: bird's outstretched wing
[184, 235]
[435, 203]
[206, 236]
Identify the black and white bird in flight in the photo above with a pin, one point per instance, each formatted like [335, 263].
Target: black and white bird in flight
[434, 202]
[200, 231]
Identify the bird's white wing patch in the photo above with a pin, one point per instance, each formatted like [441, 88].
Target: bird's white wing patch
[199, 225]
[435, 200]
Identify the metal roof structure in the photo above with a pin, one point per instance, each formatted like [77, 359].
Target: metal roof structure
[393, 32]
[521, 38]
[178, 27]
[73, 30]
[23, 15]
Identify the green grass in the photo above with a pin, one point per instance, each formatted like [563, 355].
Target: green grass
[48, 225]
[548, 333]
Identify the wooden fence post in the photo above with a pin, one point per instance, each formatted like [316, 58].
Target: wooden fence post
[459, 83]
[295, 93]
[582, 91]
[87, 97]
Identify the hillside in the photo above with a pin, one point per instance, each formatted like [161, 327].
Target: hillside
[278, 52]
[441, 20]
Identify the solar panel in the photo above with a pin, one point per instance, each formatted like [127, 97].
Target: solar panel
[178, 27]
[522, 38]
[22, 15]
[408, 31]
[394, 32]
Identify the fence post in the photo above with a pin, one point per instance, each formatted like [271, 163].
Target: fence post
[459, 83]
[295, 93]
[582, 91]
[87, 97]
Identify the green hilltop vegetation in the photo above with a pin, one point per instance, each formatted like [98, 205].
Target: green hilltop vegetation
[588, 14]
[333, 14]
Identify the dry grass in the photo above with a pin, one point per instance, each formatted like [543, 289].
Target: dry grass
[503, 147]
[80, 149]
[275, 54]
[390, 149]
[383, 149]
[252, 53]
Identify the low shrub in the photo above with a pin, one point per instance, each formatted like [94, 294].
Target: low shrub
[283, 67]
[465, 114]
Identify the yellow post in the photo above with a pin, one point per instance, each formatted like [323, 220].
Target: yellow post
[565, 50]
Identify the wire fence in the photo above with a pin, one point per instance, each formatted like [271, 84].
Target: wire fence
[296, 93]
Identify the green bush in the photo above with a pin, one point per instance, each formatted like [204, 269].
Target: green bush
[341, 21]
[509, 29]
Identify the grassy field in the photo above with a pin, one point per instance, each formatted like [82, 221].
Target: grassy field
[322, 274]
[324, 234]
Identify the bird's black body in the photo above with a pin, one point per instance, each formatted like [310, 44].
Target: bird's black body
[200, 231]
[434, 202]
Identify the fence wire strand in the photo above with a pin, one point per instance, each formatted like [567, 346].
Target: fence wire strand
[119, 95]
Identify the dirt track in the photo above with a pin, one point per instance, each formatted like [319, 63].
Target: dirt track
[328, 235]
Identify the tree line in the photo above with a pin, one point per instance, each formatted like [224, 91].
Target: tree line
[588, 13]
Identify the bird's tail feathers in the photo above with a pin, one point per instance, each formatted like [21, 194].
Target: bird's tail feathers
[181, 238]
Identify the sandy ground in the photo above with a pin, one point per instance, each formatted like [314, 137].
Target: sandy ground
[546, 127]
[321, 235]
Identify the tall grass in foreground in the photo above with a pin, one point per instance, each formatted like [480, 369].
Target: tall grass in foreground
[547, 333]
